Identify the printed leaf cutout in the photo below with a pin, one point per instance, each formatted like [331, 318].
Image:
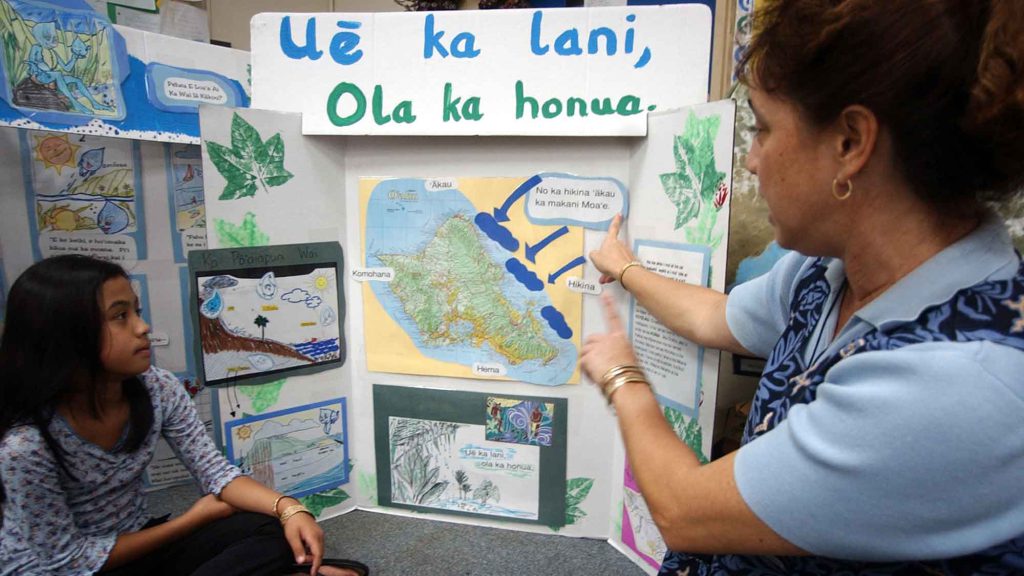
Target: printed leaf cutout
[692, 186]
[317, 503]
[250, 163]
[576, 491]
[688, 430]
[242, 235]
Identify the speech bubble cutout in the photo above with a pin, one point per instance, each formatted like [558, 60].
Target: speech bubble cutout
[590, 202]
[198, 91]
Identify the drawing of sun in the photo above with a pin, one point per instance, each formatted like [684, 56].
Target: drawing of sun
[55, 151]
[322, 281]
[244, 432]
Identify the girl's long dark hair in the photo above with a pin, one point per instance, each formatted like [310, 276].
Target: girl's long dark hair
[51, 345]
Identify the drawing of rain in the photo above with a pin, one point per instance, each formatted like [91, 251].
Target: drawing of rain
[83, 183]
[297, 452]
[59, 60]
[448, 466]
[267, 320]
[519, 421]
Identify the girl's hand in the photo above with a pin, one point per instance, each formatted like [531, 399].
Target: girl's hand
[613, 253]
[209, 508]
[601, 352]
[306, 538]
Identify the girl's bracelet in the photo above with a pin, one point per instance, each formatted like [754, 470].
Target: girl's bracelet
[278, 501]
[292, 511]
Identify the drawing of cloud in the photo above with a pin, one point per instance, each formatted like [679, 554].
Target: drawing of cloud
[313, 301]
[496, 232]
[295, 296]
[220, 281]
[557, 322]
[523, 275]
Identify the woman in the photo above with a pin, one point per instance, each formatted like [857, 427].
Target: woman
[885, 435]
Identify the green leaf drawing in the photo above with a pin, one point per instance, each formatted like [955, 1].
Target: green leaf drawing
[240, 235]
[576, 491]
[250, 163]
[262, 396]
[368, 486]
[688, 430]
[691, 188]
[322, 500]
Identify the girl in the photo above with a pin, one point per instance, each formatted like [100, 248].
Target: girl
[80, 413]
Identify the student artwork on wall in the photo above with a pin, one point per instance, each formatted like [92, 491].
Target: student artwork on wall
[460, 283]
[84, 196]
[262, 313]
[187, 201]
[66, 67]
[472, 454]
[296, 451]
[639, 532]
[61, 64]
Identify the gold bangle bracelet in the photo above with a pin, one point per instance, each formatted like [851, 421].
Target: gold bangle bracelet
[292, 511]
[278, 501]
[619, 383]
[617, 370]
[622, 273]
[608, 383]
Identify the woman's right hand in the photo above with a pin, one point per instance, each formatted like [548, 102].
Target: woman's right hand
[601, 352]
[209, 508]
[613, 254]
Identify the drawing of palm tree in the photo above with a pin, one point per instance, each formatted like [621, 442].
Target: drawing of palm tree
[487, 491]
[462, 479]
[262, 322]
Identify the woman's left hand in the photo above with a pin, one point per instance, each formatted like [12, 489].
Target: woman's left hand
[306, 539]
[601, 352]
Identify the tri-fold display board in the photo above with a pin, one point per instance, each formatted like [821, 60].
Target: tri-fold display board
[391, 317]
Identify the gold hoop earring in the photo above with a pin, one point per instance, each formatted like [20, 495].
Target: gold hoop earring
[835, 191]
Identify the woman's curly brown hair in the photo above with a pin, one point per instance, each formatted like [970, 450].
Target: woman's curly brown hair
[944, 77]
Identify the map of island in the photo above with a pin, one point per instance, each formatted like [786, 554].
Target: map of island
[451, 290]
[464, 299]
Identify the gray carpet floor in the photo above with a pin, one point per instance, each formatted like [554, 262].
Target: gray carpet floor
[396, 545]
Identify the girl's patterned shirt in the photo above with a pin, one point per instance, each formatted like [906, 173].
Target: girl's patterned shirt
[56, 524]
